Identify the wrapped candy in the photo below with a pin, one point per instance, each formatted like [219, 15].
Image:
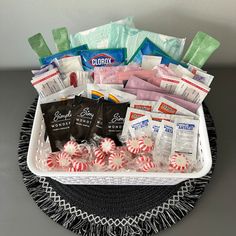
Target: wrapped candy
[178, 162]
[107, 145]
[146, 144]
[116, 160]
[64, 159]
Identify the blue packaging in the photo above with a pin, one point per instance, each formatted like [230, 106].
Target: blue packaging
[103, 57]
[71, 52]
[147, 47]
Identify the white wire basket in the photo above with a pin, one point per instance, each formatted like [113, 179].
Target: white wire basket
[39, 148]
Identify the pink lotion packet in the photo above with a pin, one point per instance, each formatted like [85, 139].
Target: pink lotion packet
[155, 96]
[108, 74]
[137, 83]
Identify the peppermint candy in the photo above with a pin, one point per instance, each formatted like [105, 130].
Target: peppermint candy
[116, 160]
[99, 154]
[107, 145]
[71, 147]
[146, 144]
[80, 165]
[98, 164]
[133, 146]
[148, 167]
[52, 160]
[178, 161]
[64, 159]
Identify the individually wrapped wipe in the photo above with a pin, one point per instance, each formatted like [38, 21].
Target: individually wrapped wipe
[201, 48]
[98, 37]
[61, 38]
[39, 45]
[131, 38]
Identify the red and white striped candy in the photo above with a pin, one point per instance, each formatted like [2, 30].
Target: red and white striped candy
[64, 159]
[149, 166]
[116, 160]
[71, 147]
[99, 154]
[98, 164]
[80, 165]
[71, 169]
[133, 146]
[107, 145]
[143, 159]
[52, 160]
[146, 144]
[178, 161]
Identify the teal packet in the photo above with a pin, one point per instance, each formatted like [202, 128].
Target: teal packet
[68, 53]
[200, 49]
[61, 39]
[131, 38]
[147, 47]
[39, 45]
[98, 37]
[103, 57]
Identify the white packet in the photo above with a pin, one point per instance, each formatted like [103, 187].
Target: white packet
[168, 107]
[118, 96]
[185, 138]
[155, 127]
[163, 143]
[66, 93]
[133, 113]
[140, 126]
[169, 83]
[143, 105]
[48, 83]
[182, 71]
[192, 90]
[148, 62]
[203, 77]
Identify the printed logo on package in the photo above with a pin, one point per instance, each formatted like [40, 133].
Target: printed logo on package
[167, 109]
[101, 60]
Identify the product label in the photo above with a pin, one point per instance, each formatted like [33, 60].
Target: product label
[101, 60]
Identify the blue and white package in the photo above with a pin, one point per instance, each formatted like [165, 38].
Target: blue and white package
[140, 126]
[103, 57]
[71, 52]
[147, 47]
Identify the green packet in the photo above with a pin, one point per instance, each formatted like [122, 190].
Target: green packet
[61, 39]
[97, 37]
[39, 45]
[124, 36]
[200, 49]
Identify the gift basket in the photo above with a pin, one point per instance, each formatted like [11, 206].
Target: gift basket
[120, 106]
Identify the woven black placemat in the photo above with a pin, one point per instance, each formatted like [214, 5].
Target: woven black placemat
[112, 210]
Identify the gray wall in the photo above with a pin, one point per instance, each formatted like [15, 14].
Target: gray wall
[23, 18]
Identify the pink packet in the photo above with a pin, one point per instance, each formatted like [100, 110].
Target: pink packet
[155, 96]
[132, 91]
[137, 83]
[108, 74]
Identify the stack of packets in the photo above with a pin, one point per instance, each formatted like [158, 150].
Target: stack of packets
[115, 98]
